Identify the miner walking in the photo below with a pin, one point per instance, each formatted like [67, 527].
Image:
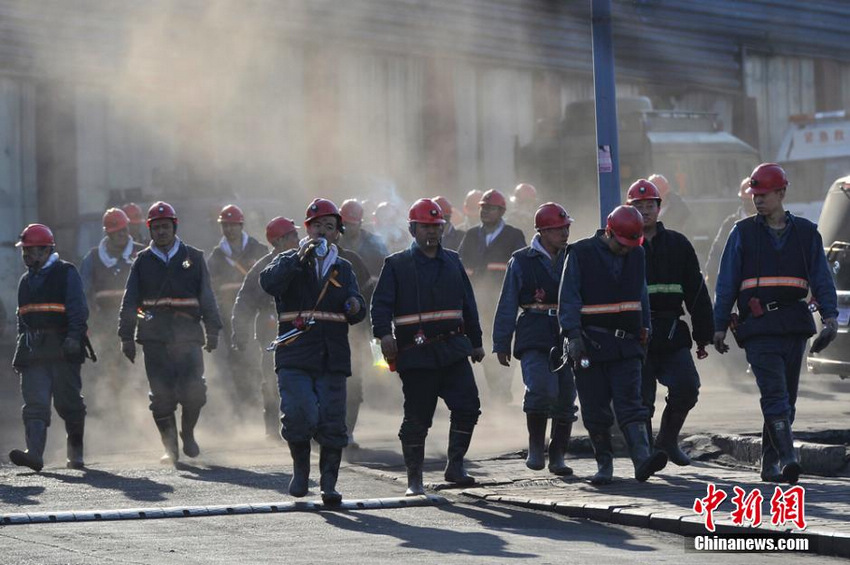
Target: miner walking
[167, 299]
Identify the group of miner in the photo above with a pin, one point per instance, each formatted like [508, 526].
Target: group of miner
[599, 320]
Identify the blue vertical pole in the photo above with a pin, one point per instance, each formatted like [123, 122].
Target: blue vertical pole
[606, 109]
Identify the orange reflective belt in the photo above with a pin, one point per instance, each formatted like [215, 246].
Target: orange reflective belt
[42, 307]
[497, 267]
[437, 316]
[537, 306]
[231, 286]
[173, 302]
[792, 282]
[109, 293]
[611, 308]
[325, 316]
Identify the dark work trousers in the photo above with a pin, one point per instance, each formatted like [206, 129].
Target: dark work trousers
[552, 394]
[776, 362]
[175, 375]
[313, 407]
[676, 371]
[455, 384]
[57, 381]
[605, 382]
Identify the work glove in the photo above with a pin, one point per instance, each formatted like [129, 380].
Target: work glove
[389, 347]
[720, 342]
[71, 347]
[477, 354]
[128, 348]
[212, 343]
[352, 306]
[504, 358]
[826, 335]
[576, 349]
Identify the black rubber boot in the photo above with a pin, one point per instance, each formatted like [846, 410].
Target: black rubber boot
[36, 437]
[604, 453]
[536, 424]
[460, 436]
[414, 458]
[783, 442]
[561, 431]
[300, 452]
[668, 436]
[74, 444]
[769, 459]
[167, 427]
[329, 460]
[351, 414]
[188, 420]
[646, 462]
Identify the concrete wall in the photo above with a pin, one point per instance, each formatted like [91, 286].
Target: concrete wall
[18, 204]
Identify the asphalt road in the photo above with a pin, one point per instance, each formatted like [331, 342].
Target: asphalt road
[238, 467]
[458, 532]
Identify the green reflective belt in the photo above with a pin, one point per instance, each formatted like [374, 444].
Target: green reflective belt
[665, 288]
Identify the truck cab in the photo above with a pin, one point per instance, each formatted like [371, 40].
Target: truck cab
[834, 227]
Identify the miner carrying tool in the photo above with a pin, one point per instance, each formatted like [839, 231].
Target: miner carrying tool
[317, 298]
[604, 314]
[531, 288]
[52, 344]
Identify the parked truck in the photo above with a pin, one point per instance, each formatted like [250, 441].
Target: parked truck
[834, 227]
[703, 163]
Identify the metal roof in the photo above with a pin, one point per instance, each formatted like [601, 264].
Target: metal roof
[693, 42]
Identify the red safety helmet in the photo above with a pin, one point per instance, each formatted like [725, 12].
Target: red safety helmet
[134, 213]
[444, 205]
[425, 211]
[36, 235]
[524, 193]
[115, 220]
[745, 184]
[626, 224]
[643, 189]
[493, 198]
[383, 214]
[551, 215]
[279, 227]
[661, 183]
[351, 211]
[231, 214]
[470, 203]
[321, 207]
[767, 177]
[161, 210]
